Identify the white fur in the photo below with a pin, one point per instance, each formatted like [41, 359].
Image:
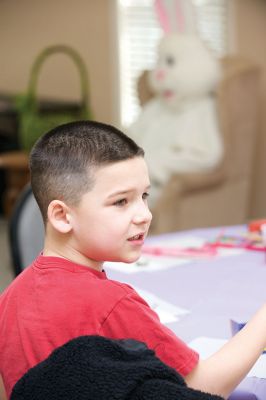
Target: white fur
[178, 129]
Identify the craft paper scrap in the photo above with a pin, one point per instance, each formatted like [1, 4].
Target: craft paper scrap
[167, 312]
[146, 263]
[206, 346]
[152, 262]
[192, 242]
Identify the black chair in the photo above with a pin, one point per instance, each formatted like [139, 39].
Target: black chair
[26, 231]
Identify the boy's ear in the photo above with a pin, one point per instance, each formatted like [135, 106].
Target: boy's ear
[58, 216]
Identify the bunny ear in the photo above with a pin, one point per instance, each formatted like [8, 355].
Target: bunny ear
[176, 15]
[187, 9]
[164, 10]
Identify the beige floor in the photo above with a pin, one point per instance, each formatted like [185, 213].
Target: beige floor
[6, 273]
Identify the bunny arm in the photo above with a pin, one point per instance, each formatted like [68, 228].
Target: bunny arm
[181, 141]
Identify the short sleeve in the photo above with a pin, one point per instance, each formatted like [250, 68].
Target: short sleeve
[133, 318]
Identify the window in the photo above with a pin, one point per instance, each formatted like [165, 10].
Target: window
[138, 36]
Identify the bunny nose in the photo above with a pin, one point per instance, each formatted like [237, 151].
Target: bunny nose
[160, 75]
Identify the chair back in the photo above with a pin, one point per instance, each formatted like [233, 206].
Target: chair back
[238, 108]
[26, 231]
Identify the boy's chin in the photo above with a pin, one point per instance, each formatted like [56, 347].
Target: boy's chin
[127, 258]
[130, 259]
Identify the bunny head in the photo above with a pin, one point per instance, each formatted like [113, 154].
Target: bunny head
[185, 69]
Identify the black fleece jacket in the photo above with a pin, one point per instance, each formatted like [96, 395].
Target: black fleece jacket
[97, 368]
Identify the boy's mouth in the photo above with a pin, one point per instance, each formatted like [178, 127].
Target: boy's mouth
[140, 236]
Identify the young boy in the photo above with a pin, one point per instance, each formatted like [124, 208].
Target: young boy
[91, 184]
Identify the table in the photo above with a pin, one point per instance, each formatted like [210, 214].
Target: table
[214, 290]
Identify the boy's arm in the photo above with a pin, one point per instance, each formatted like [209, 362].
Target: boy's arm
[2, 390]
[224, 370]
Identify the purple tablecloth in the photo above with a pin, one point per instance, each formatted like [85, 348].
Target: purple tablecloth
[214, 290]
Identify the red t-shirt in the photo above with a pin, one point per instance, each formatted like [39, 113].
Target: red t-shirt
[55, 300]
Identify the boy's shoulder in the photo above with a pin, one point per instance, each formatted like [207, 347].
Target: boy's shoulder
[122, 289]
[71, 283]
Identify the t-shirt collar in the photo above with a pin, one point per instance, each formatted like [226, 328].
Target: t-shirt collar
[44, 262]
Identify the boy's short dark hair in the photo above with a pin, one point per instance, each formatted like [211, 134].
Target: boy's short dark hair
[62, 161]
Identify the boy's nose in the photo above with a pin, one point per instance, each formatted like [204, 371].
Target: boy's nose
[143, 215]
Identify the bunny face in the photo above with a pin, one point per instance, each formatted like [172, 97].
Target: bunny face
[185, 70]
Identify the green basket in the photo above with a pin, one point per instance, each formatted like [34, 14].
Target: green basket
[34, 119]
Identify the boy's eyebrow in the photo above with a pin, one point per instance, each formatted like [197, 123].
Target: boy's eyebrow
[126, 191]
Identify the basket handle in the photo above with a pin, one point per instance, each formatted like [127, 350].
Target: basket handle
[35, 70]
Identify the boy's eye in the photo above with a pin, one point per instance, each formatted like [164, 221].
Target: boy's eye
[120, 203]
[145, 195]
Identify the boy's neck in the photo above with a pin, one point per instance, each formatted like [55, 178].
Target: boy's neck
[59, 245]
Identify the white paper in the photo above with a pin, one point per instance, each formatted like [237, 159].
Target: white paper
[206, 346]
[183, 241]
[225, 252]
[259, 369]
[166, 311]
[146, 263]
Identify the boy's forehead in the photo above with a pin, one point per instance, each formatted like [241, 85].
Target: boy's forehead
[133, 170]
[121, 166]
